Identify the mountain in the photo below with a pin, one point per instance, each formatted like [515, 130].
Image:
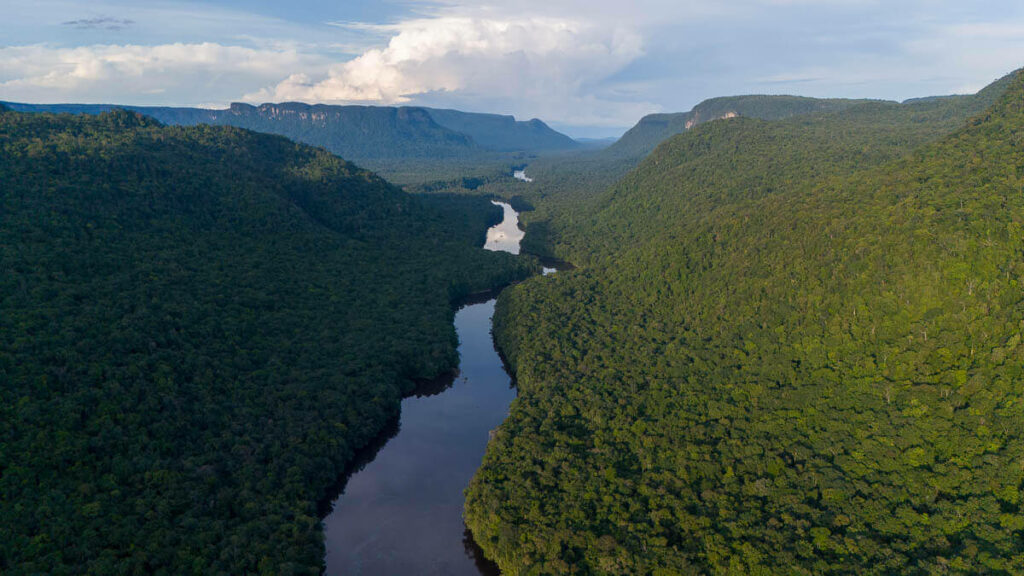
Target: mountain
[789, 347]
[361, 133]
[656, 128]
[504, 133]
[568, 187]
[357, 132]
[564, 182]
[199, 326]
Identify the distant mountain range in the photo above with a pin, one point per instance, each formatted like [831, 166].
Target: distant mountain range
[656, 128]
[501, 133]
[361, 133]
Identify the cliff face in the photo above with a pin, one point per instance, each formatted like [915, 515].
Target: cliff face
[696, 118]
[656, 128]
[504, 133]
[355, 132]
[361, 133]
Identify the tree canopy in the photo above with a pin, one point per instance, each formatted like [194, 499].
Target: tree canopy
[198, 328]
[790, 347]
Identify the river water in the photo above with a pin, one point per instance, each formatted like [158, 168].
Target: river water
[400, 512]
[521, 175]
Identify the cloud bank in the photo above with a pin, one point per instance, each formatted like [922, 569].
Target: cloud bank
[539, 60]
[596, 63]
[119, 73]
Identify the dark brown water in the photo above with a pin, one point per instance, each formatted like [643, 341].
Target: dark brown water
[401, 513]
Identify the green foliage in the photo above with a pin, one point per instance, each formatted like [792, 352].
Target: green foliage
[198, 328]
[793, 347]
[568, 189]
[656, 128]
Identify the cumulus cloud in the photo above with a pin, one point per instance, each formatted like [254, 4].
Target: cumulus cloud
[530, 59]
[46, 73]
[571, 62]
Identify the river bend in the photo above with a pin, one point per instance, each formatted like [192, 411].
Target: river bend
[400, 512]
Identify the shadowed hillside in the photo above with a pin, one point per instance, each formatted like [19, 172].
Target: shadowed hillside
[198, 329]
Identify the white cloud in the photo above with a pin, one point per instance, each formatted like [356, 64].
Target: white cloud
[46, 73]
[572, 62]
[530, 59]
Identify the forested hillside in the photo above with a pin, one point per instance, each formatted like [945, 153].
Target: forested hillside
[656, 128]
[411, 145]
[568, 191]
[198, 328]
[504, 133]
[793, 348]
[571, 177]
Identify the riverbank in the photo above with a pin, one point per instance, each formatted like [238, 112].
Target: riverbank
[399, 510]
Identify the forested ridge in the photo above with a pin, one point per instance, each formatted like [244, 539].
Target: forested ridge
[566, 189]
[793, 347]
[198, 328]
[654, 129]
[407, 144]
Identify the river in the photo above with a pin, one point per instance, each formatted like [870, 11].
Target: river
[400, 512]
[521, 175]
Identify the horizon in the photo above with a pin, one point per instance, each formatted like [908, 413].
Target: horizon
[286, 290]
[580, 134]
[586, 69]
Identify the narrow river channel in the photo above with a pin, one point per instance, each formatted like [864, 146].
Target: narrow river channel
[400, 512]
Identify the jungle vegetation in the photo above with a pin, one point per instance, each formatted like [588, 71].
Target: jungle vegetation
[567, 186]
[788, 347]
[199, 326]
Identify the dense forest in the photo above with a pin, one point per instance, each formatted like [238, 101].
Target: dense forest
[656, 128]
[567, 188]
[791, 347]
[198, 328]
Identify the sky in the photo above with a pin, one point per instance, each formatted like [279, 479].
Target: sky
[590, 68]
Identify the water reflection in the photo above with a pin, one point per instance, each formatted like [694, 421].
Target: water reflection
[400, 511]
[521, 175]
[505, 237]
[484, 567]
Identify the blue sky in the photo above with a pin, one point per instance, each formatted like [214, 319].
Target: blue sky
[589, 67]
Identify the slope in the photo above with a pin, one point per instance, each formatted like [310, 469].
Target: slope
[656, 128]
[568, 190]
[198, 328]
[504, 133]
[788, 354]
[413, 145]
[357, 132]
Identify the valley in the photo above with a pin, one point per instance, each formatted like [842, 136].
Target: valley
[334, 338]
[199, 329]
[401, 511]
